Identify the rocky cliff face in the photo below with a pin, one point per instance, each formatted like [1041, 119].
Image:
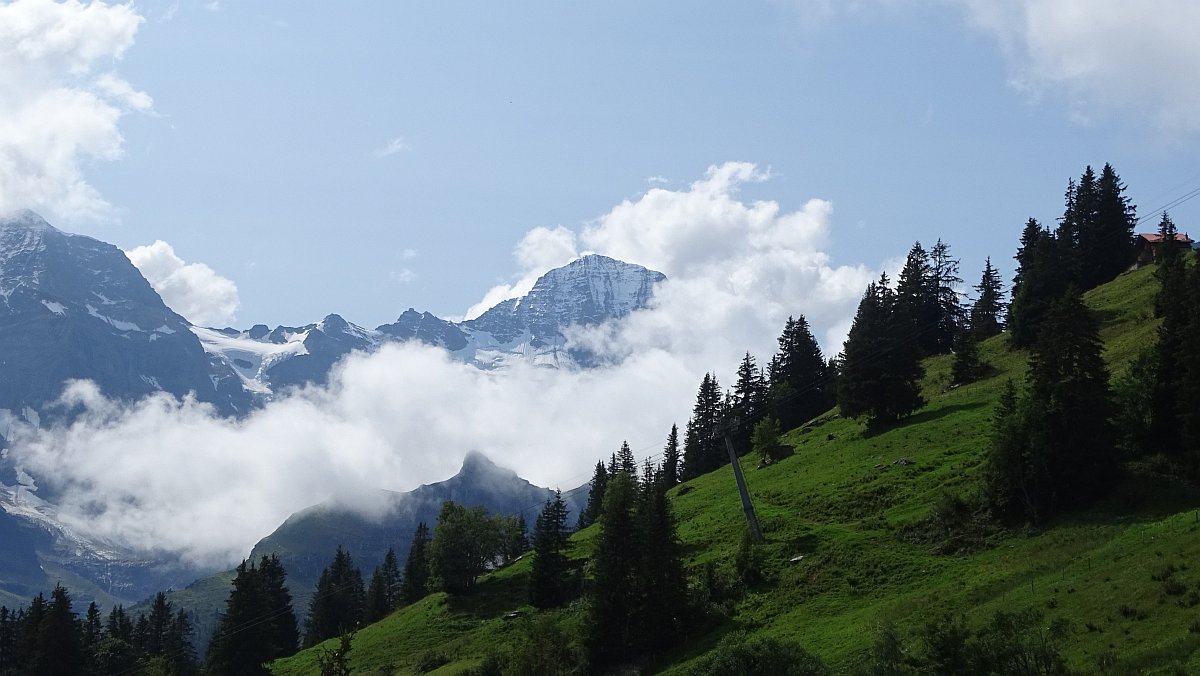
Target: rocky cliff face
[72, 307]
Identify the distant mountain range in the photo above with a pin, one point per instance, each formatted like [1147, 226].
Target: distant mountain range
[73, 307]
[588, 291]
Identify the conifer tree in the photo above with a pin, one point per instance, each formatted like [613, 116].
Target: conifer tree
[415, 585]
[662, 584]
[1109, 249]
[614, 591]
[548, 582]
[1042, 277]
[338, 601]
[703, 444]
[119, 626]
[383, 592]
[625, 460]
[595, 500]
[748, 403]
[944, 270]
[967, 366]
[1188, 405]
[881, 368]
[916, 300]
[259, 624]
[57, 651]
[1053, 447]
[987, 312]
[800, 385]
[1171, 304]
[670, 459]
[1069, 387]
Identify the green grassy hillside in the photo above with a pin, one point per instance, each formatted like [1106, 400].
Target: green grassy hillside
[1126, 573]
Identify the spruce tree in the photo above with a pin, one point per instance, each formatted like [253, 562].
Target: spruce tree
[967, 366]
[383, 593]
[1043, 276]
[703, 444]
[338, 601]
[944, 271]
[881, 368]
[987, 312]
[799, 387]
[548, 577]
[749, 402]
[1054, 447]
[670, 459]
[259, 624]
[625, 460]
[415, 585]
[1188, 404]
[1171, 304]
[662, 584]
[595, 500]
[57, 651]
[916, 300]
[614, 590]
[1069, 385]
[1110, 249]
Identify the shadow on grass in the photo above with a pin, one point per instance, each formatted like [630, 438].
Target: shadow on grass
[924, 416]
[492, 598]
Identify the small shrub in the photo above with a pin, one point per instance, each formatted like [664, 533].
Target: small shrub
[1173, 587]
[1163, 573]
[1130, 613]
[1194, 627]
[742, 653]
[749, 560]
[1190, 601]
[431, 660]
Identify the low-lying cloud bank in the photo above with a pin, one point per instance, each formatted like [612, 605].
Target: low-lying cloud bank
[170, 475]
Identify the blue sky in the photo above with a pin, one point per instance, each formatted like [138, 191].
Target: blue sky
[365, 158]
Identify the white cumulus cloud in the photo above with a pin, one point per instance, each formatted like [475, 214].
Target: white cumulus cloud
[194, 290]
[61, 101]
[1104, 54]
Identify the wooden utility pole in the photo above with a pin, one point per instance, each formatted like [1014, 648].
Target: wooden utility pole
[747, 506]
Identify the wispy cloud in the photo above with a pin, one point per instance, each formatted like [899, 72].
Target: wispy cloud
[393, 146]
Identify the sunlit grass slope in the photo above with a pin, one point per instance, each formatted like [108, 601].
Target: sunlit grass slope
[853, 508]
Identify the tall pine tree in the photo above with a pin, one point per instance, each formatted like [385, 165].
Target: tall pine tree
[258, 625]
[595, 501]
[416, 567]
[800, 386]
[881, 367]
[548, 577]
[1172, 306]
[944, 271]
[988, 311]
[383, 592]
[670, 458]
[916, 300]
[703, 445]
[1043, 275]
[338, 601]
